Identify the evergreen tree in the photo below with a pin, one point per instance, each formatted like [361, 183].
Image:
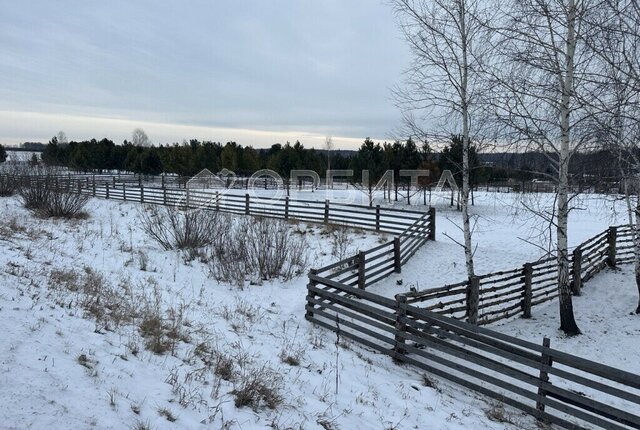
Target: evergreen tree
[150, 163]
[370, 157]
[451, 159]
[229, 157]
[250, 161]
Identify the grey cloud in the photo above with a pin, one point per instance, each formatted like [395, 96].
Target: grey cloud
[321, 67]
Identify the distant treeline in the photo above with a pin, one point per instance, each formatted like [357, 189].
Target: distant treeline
[188, 158]
[191, 157]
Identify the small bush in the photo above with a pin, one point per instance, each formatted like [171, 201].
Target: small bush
[258, 249]
[8, 185]
[34, 196]
[50, 201]
[177, 228]
[340, 242]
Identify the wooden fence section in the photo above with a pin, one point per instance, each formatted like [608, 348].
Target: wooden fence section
[370, 266]
[381, 219]
[495, 296]
[551, 385]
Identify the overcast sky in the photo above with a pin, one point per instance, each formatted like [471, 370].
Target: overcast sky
[258, 72]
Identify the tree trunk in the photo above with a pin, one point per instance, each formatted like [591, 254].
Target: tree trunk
[636, 248]
[466, 225]
[395, 185]
[567, 319]
[370, 194]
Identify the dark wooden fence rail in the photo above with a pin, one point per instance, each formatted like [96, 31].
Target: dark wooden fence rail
[549, 384]
[370, 266]
[505, 294]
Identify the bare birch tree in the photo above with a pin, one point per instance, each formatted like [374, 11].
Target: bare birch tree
[541, 82]
[614, 39]
[328, 145]
[140, 138]
[61, 137]
[444, 83]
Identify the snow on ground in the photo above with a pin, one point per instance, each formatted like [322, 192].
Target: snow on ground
[605, 313]
[506, 235]
[62, 368]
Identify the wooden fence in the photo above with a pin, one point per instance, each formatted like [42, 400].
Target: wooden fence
[376, 218]
[495, 296]
[423, 329]
[549, 384]
[372, 265]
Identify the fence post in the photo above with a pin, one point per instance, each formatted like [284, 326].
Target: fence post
[401, 327]
[326, 211]
[473, 300]
[164, 194]
[286, 207]
[528, 294]
[310, 295]
[545, 360]
[79, 186]
[94, 185]
[124, 191]
[114, 181]
[432, 223]
[576, 285]
[246, 204]
[361, 277]
[141, 193]
[612, 238]
[217, 201]
[188, 197]
[107, 190]
[162, 180]
[396, 255]
[377, 217]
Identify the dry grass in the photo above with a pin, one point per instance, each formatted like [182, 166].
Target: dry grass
[258, 388]
[167, 414]
[114, 305]
[110, 306]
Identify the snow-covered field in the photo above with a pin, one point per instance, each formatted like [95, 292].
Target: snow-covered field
[60, 368]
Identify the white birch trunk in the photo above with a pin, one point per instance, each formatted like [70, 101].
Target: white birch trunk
[466, 224]
[636, 248]
[567, 320]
